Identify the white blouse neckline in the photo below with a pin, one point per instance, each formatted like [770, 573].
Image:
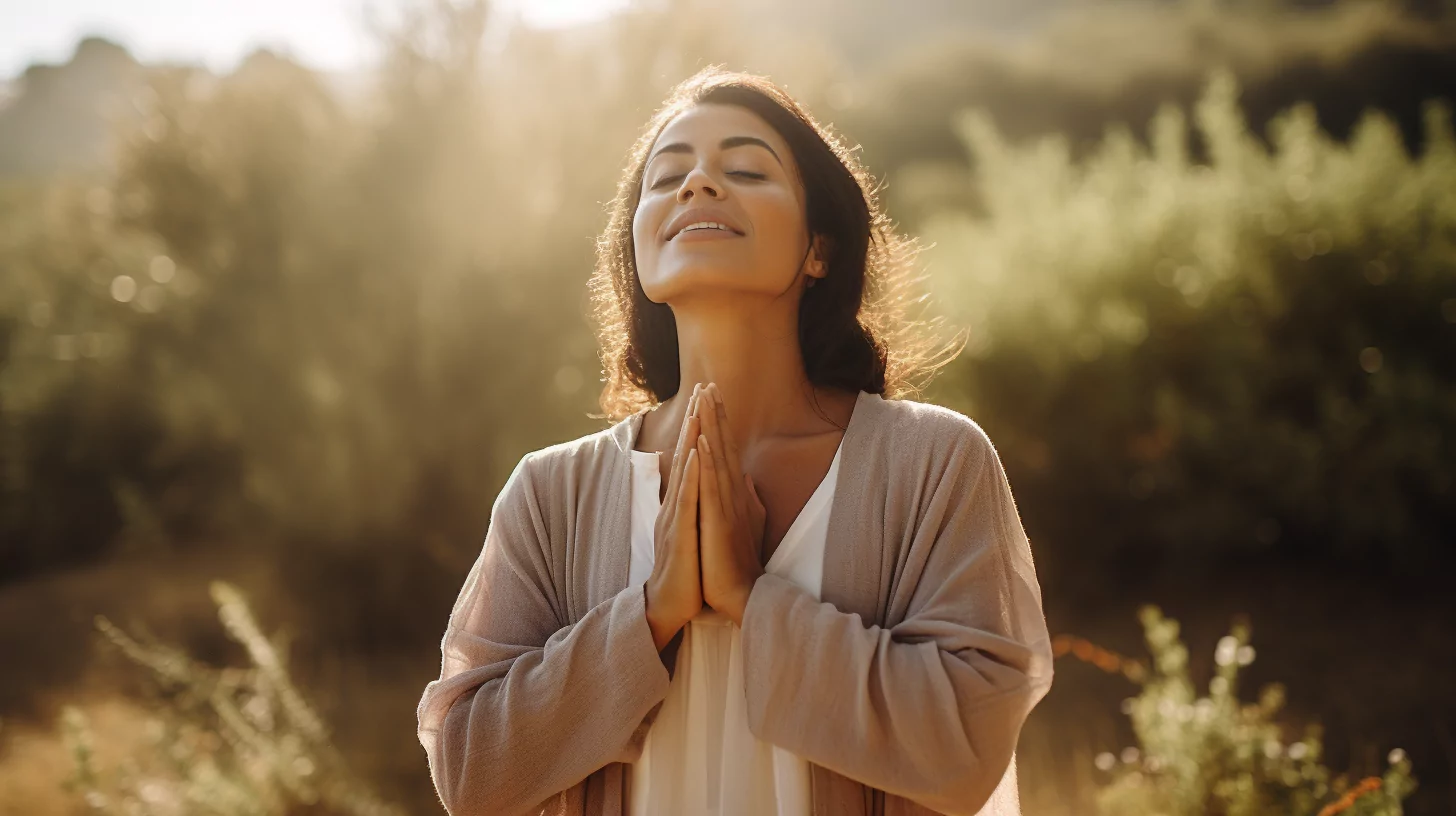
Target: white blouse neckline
[822, 493]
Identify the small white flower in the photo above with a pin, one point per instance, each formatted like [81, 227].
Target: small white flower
[1396, 756]
[1105, 761]
[1298, 750]
[1246, 655]
[1129, 755]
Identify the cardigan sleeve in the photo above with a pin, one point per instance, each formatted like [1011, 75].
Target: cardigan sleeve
[929, 709]
[526, 705]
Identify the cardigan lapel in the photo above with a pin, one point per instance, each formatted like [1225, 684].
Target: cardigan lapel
[615, 513]
[852, 570]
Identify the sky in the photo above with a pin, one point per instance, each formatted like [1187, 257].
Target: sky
[328, 35]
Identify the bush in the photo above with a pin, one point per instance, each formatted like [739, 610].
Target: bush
[1257, 354]
[1215, 756]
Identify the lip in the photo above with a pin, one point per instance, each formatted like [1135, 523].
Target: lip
[697, 214]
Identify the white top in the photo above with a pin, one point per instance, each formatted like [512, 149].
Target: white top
[699, 758]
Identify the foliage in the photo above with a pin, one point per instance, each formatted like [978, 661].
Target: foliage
[312, 321]
[230, 741]
[1215, 755]
[1257, 354]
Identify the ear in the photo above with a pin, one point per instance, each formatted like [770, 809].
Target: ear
[817, 264]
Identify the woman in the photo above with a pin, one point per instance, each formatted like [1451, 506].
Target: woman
[766, 588]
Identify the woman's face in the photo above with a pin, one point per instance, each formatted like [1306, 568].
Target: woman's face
[722, 164]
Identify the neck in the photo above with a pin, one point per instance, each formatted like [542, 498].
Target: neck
[756, 363]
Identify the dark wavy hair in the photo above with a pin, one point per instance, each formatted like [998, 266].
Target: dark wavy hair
[852, 328]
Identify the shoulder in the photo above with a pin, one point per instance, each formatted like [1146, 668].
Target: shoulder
[946, 460]
[546, 483]
[928, 434]
[561, 463]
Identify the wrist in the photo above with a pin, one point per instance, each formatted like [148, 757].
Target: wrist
[738, 602]
[663, 626]
[662, 633]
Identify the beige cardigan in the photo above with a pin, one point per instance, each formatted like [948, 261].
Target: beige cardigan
[906, 688]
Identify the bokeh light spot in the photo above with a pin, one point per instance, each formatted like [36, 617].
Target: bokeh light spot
[568, 379]
[162, 269]
[123, 288]
[1377, 273]
[1371, 359]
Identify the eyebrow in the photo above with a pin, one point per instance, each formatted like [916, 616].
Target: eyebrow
[731, 141]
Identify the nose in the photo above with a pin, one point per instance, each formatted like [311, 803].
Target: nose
[697, 180]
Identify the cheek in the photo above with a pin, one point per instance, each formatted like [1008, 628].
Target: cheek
[644, 234]
[780, 221]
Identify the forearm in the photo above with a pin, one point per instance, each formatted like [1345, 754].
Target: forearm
[904, 716]
[663, 627]
[505, 734]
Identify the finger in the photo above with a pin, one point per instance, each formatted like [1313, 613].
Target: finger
[713, 431]
[727, 449]
[683, 441]
[674, 473]
[680, 462]
[708, 484]
[674, 477]
[728, 492]
[687, 498]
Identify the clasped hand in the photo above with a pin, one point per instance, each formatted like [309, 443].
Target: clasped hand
[730, 515]
[709, 534]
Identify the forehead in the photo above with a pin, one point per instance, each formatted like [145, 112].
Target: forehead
[703, 126]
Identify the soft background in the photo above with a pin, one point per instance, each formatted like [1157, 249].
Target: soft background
[288, 324]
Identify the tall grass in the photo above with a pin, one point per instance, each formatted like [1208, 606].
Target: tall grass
[231, 741]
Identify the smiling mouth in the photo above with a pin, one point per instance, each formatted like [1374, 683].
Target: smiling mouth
[706, 229]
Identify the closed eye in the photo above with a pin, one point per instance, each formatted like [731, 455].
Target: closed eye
[743, 173]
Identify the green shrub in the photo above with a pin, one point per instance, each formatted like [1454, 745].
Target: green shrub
[1216, 756]
[1254, 354]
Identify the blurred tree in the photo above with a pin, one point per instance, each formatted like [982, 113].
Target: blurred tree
[327, 325]
[61, 117]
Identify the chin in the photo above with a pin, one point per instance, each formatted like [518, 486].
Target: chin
[693, 279]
